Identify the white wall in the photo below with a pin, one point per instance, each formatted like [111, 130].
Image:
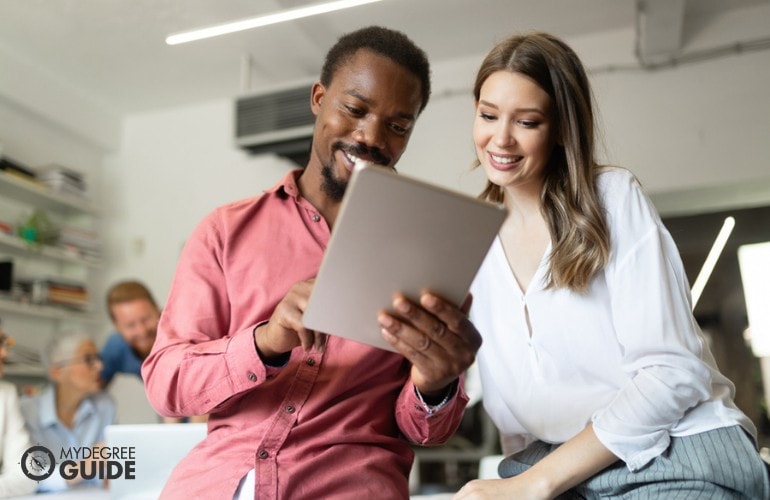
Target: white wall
[173, 168]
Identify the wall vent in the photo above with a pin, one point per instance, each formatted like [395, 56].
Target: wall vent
[278, 122]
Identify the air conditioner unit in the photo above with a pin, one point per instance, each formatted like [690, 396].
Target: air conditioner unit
[278, 122]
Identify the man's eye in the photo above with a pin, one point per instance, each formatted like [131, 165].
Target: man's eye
[354, 111]
[399, 129]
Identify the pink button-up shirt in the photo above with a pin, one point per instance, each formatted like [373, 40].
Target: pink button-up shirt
[325, 425]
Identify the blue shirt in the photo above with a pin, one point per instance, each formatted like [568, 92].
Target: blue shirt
[118, 357]
[92, 416]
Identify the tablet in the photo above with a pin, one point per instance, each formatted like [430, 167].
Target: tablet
[396, 234]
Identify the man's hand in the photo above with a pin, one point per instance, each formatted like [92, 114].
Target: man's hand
[284, 331]
[435, 336]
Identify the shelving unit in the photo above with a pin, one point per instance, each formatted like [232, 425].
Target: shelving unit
[17, 246]
[39, 195]
[43, 311]
[34, 321]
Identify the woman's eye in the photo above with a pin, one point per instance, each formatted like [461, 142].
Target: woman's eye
[529, 123]
[487, 116]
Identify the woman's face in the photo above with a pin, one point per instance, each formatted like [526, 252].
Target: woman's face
[513, 131]
[83, 371]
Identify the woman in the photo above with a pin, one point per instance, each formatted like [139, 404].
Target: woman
[593, 367]
[73, 411]
[14, 438]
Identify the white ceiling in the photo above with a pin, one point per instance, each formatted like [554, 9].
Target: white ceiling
[114, 50]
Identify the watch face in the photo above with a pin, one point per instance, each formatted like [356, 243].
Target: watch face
[37, 463]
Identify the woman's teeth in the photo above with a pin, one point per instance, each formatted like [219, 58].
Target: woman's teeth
[505, 159]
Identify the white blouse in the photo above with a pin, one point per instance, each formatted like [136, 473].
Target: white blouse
[626, 355]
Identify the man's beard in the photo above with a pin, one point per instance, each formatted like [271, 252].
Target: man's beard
[335, 187]
[332, 186]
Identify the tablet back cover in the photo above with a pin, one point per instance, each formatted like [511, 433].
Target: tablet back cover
[397, 234]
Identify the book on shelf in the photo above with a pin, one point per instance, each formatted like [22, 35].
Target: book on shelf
[83, 241]
[20, 172]
[53, 291]
[63, 180]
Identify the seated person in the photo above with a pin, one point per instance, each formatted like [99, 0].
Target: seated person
[134, 314]
[73, 411]
[14, 438]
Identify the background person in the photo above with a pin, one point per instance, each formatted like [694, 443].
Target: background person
[14, 437]
[593, 366]
[73, 411]
[294, 413]
[134, 314]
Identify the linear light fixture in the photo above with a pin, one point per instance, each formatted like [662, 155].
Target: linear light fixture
[256, 22]
[711, 260]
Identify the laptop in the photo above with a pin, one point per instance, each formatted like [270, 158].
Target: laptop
[395, 234]
[157, 450]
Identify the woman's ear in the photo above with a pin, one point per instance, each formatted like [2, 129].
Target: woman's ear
[55, 372]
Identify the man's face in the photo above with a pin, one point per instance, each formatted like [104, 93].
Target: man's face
[137, 323]
[367, 112]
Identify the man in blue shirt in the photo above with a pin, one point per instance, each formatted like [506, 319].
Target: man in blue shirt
[135, 316]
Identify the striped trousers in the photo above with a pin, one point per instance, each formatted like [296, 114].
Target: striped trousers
[718, 464]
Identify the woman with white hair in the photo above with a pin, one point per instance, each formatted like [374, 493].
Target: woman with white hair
[14, 438]
[73, 411]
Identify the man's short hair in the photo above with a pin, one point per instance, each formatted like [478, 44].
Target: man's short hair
[127, 291]
[386, 42]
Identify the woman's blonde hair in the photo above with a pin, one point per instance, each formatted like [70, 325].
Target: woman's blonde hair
[570, 203]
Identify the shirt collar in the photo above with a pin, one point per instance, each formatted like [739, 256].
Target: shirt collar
[48, 416]
[288, 184]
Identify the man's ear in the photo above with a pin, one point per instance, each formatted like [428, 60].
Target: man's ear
[317, 93]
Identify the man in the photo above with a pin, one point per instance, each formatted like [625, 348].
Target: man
[294, 413]
[134, 314]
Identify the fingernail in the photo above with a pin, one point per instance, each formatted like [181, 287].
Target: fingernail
[429, 300]
[385, 320]
[402, 305]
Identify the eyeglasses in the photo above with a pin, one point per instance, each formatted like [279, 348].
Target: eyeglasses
[89, 360]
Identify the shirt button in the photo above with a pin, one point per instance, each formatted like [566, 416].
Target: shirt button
[310, 361]
[290, 409]
[316, 217]
[252, 377]
[263, 454]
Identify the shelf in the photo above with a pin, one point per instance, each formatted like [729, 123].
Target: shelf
[47, 312]
[41, 196]
[24, 370]
[19, 247]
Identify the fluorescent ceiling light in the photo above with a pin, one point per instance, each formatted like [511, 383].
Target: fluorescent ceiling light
[755, 274]
[256, 22]
[711, 260]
